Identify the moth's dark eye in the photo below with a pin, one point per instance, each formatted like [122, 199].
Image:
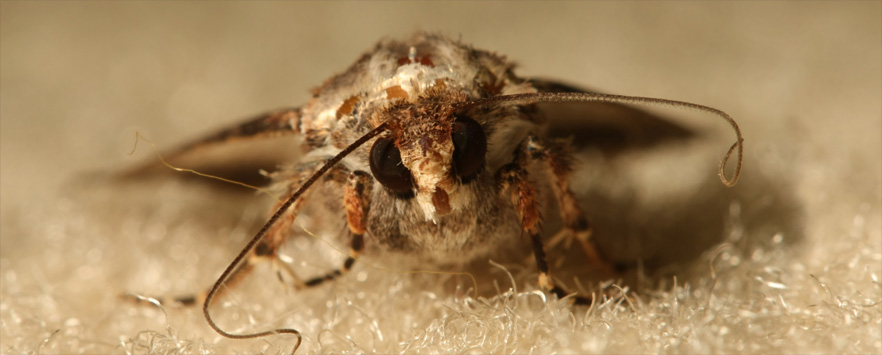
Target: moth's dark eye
[388, 169]
[469, 148]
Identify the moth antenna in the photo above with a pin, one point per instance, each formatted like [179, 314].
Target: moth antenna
[260, 234]
[591, 97]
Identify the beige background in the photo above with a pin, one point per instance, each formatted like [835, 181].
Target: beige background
[77, 79]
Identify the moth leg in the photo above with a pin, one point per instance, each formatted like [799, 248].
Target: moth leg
[513, 178]
[357, 201]
[266, 250]
[575, 225]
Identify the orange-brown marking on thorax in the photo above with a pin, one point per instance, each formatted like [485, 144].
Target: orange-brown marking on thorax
[396, 92]
[347, 107]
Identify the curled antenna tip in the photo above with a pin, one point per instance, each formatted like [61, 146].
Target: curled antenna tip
[729, 182]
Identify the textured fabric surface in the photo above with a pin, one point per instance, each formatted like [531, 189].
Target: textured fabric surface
[788, 261]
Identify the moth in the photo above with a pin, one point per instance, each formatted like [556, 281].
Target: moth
[434, 148]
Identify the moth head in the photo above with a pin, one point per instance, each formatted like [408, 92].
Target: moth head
[429, 157]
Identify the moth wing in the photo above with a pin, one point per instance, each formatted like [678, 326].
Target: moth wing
[609, 127]
[238, 152]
